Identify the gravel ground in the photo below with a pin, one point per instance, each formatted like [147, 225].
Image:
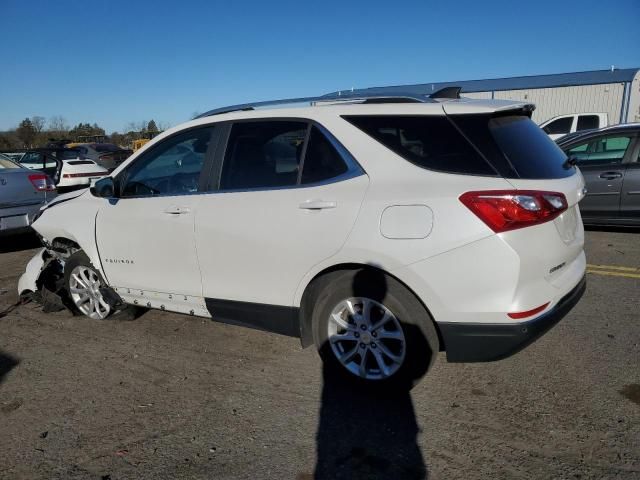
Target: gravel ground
[170, 396]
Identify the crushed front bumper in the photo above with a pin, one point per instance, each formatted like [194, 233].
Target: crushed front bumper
[29, 279]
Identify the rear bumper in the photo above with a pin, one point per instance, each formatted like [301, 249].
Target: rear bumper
[482, 342]
[18, 218]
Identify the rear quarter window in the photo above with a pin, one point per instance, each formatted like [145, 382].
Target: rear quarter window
[430, 142]
[515, 145]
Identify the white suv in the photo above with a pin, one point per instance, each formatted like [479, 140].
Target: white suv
[382, 230]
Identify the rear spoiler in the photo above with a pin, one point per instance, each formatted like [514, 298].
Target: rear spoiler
[487, 107]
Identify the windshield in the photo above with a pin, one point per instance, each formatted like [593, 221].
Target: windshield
[69, 154]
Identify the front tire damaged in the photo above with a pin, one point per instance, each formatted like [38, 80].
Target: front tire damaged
[44, 280]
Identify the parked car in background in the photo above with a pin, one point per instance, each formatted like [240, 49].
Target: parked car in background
[381, 230]
[13, 155]
[67, 167]
[22, 193]
[107, 155]
[609, 159]
[559, 126]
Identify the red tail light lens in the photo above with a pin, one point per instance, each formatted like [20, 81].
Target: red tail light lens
[528, 313]
[42, 182]
[504, 210]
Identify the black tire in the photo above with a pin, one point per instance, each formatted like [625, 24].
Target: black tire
[117, 312]
[420, 337]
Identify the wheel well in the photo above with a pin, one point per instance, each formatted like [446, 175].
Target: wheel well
[316, 284]
[64, 247]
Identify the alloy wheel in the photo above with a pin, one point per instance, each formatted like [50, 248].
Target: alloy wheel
[84, 288]
[366, 338]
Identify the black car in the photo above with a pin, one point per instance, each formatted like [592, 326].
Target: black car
[609, 159]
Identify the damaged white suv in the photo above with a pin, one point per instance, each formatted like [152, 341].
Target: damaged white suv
[382, 230]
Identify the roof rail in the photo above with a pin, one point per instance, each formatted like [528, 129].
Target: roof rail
[331, 97]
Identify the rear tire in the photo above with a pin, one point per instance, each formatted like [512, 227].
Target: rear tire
[370, 329]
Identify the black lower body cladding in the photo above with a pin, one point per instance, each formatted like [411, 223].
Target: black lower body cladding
[477, 342]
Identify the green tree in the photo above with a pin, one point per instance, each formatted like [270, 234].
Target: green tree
[85, 130]
[26, 132]
[9, 140]
[151, 126]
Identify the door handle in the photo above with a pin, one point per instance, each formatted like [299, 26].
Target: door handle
[175, 210]
[317, 205]
[610, 175]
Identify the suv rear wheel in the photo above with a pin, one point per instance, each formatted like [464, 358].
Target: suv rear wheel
[372, 329]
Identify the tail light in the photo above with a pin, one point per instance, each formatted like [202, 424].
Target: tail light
[42, 182]
[504, 210]
[80, 175]
[528, 313]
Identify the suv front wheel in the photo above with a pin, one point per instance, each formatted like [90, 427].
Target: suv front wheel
[83, 283]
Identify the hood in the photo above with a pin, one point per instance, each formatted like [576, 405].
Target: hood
[63, 198]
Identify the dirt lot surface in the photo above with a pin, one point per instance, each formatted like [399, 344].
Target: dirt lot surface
[170, 396]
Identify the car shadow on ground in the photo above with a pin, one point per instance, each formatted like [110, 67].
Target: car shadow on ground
[7, 363]
[18, 241]
[366, 433]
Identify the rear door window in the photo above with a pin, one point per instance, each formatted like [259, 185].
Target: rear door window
[430, 142]
[601, 150]
[263, 154]
[588, 122]
[561, 126]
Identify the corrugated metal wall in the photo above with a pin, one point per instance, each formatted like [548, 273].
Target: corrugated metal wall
[634, 100]
[551, 102]
[477, 95]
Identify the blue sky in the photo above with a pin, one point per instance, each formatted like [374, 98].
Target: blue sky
[113, 62]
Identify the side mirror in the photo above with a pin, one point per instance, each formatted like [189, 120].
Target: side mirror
[103, 188]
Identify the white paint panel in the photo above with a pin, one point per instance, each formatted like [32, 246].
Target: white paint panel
[406, 222]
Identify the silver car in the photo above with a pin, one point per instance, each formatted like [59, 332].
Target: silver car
[22, 193]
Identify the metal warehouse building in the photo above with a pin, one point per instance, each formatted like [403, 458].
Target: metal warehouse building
[615, 92]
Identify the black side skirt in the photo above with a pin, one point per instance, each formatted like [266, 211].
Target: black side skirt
[271, 318]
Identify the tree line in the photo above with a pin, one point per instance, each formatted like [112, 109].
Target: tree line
[37, 131]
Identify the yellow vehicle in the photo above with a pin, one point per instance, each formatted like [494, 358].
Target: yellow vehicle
[138, 144]
[146, 137]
